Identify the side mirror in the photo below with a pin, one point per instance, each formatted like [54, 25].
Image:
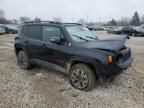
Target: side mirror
[57, 40]
[54, 40]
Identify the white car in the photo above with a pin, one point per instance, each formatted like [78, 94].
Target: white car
[2, 30]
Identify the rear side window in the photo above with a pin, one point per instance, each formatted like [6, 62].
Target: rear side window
[50, 31]
[33, 31]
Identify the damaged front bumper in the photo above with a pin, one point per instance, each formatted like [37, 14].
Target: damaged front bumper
[113, 69]
[126, 64]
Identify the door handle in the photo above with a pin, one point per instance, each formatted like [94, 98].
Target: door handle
[43, 46]
[26, 42]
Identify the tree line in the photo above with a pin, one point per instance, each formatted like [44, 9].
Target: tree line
[125, 21]
[134, 21]
[22, 19]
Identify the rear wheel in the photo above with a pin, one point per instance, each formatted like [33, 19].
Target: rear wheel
[23, 60]
[11, 32]
[82, 77]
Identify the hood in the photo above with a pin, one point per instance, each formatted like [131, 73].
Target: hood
[112, 44]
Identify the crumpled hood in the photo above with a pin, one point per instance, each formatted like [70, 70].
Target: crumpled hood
[113, 44]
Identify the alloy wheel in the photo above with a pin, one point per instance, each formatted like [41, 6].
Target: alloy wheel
[79, 78]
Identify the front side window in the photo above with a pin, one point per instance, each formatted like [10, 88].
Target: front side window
[51, 32]
[80, 33]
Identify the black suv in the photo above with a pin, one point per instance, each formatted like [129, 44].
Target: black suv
[71, 48]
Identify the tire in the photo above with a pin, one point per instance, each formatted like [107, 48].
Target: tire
[23, 60]
[82, 77]
[11, 32]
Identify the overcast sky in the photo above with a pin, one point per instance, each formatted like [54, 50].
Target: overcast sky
[72, 10]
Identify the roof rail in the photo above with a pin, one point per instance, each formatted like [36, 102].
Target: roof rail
[55, 22]
[73, 23]
[28, 22]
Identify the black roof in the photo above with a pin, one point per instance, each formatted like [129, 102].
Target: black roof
[49, 22]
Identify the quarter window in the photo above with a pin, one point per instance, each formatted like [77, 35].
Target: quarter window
[33, 31]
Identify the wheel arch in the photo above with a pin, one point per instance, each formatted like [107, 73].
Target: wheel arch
[92, 64]
[19, 48]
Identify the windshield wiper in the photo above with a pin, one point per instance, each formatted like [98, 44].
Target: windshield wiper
[91, 37]
[80, 37]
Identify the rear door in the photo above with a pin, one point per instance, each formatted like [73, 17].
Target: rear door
[33, 40]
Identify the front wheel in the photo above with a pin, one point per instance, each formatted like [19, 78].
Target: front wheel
[82, 77]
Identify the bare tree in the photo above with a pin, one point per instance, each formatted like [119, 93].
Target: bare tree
[82, 21]
[3, 20]
[57, 19]
[124, 21]
[90, 24]
[135, 19]
[24, 19]
[37, 19]
[14, 21]
[112, 22]
[2, 13]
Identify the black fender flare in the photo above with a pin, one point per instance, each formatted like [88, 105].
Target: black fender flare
[17, 46]
[95, 64]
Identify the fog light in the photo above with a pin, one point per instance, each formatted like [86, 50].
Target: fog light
[109, 58]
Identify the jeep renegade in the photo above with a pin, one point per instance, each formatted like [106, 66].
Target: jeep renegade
[71, 48]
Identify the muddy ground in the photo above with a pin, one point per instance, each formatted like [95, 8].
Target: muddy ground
[44, 88]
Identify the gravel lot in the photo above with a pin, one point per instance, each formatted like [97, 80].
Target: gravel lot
[43, 88]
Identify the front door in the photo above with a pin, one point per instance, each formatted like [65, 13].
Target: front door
[52, 52]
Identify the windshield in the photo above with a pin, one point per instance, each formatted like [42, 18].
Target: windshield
[80, 33]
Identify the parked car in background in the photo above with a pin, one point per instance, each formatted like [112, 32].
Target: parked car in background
[99, 28]
[140, 32]
[117, 29]
[5, 28]
[96, 27]
[2, 30]
[9, 29]
[12, 29]
[131, 31]
[110, 29]
[125, 31]
[90, 28]
[142, 26]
